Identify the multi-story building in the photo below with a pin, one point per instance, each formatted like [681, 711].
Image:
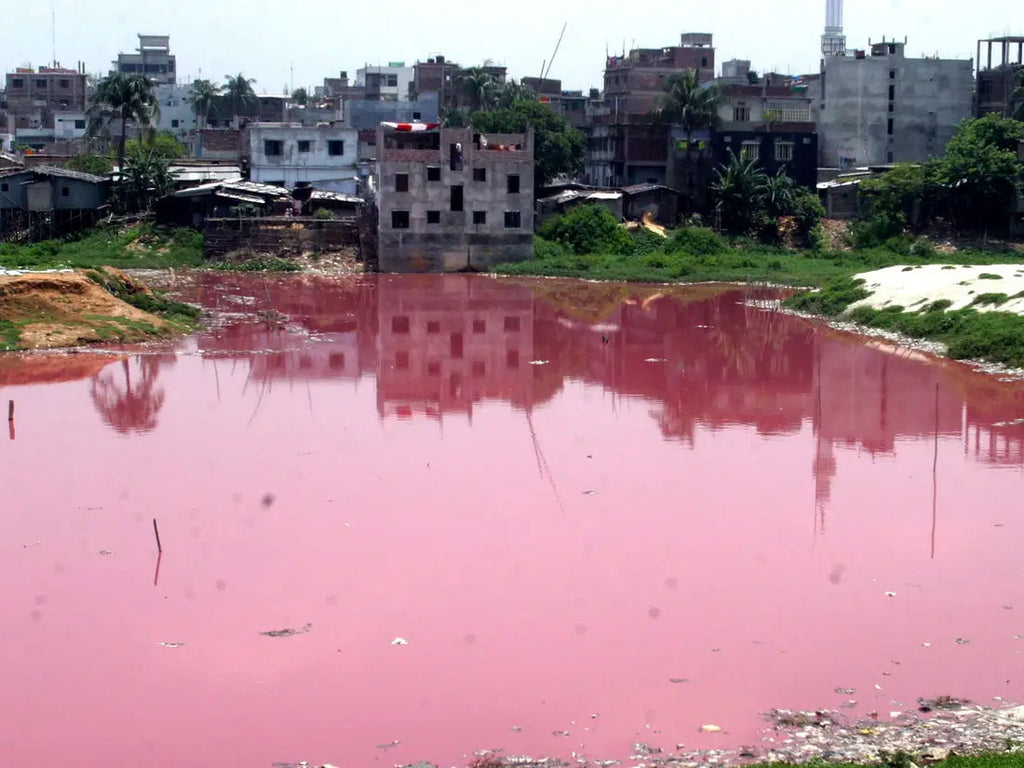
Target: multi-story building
[153, 58]
[390, 83]
[1000, 78]
[176, 115]
[435, 75]
[879, 106]
[449, 199]
[289, 155]
[35, 95]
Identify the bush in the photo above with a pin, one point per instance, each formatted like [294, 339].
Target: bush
[645, 242]
[547, 250]
[808, 212]
[833, 298]
[588, 229]
[696, 242]
[876, 230]
[323, 214]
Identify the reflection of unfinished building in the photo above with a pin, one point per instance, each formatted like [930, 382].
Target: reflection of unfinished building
[1000, 76]
[452, 200]
[442, 346]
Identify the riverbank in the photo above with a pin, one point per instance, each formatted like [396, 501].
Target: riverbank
[45, 310]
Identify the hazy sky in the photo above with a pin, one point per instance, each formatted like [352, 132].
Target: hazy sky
[321, 37]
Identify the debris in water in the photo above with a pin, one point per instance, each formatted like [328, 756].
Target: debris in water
[172, 645]
[106, 552]
[590, 493]
[540, 362]
[845, 691]
[289, 632]
[710, 728]
[560, 733]
[678, 680]
[655, 360]
[392, 745]
[962, 641]
[890, 594]
[399, 641]
[516, 728]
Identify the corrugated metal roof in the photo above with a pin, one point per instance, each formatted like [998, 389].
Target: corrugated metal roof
[335, 197]
[64, 173]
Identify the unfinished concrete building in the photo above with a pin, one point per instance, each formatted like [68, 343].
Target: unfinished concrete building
[451, 199]
[1000, 77]
[879, 106]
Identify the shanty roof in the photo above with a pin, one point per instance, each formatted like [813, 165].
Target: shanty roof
[575, 194]
[639, 189]
[51, 171]
[238, 187]
[240, 198]
[193, 173]
[335, 197]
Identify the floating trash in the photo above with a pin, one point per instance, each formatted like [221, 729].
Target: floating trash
[710, 728]
[172, 645]
[845, 691]
[399, 641]
[890, 594]
[289, 632]
[391, 745]
[590, 493]
[540, 362]
[655, 360]
[679, 680]
[106, 552]
[962, 641]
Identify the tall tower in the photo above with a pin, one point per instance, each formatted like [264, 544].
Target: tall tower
[833, 42]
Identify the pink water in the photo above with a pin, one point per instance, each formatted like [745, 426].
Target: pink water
[718, 494]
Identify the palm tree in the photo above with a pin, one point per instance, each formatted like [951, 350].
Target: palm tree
[689, 104]
[204, 95]
[124, 97]
[779, 194]
[478, 86]
[239, 93]
[740, 190]
[511, 92]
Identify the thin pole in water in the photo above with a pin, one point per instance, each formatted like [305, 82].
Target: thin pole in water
[10, 410]
[156, 531]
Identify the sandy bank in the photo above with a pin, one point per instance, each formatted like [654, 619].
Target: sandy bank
[58, 309]
[916, 287]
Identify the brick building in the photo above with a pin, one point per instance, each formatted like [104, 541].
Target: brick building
[449, 199]
[35, 95]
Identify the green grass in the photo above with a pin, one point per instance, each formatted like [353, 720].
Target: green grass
[142, 247]
[182, 316]
[257, 264]
[690, 257]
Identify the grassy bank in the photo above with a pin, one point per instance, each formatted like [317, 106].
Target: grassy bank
[695, 255]
[140, 247]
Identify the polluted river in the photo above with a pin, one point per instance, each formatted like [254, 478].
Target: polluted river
[410, 519]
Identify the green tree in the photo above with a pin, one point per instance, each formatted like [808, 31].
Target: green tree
[981, 172]
[478, 87]
[239, 94]
[511, 92]
[588, 229]
[907, 193]
[97, 165]
[300, 97]
[740, 189]
[146, 178]
[451, 117]
[688, 103]
[779, 194]
[162, 144]
[559, 149]
[203, 97]
[123, 98]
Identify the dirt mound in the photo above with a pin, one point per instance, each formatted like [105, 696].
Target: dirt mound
[59, 309]
[50, 368]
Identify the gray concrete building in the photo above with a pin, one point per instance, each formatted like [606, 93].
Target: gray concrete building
[450, 199]
[153, 58]
[879, 106]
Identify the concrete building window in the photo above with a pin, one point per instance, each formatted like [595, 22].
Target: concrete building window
[892, 93]
[17, 83]
[305, 145]
[741, 113]
[888, 156]
[401, 182]
[433, 217]
[433, 368]
[400, 324]
[512, 324]
[433, 173]
[892, 107]
[65, 83]
[174, 124]
[892, 74]
[5, 187]
[783, 151]
[456, 198]
[79, 125]
[513, 184]
[890, 126]
[335, 148]
[41, 84]
[455, 346]
[479, 217]
[512, 359]
[65, 192]
[433, 326]
[479, 174]
[399, 219]
[479, 326]
[273, 148]
[402, 361]
[392, 81]
[751, 150]
[513, 220]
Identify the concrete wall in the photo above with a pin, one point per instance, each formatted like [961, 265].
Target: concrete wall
[930, 98]
[455, 242]
[336, 173]
[176, 115]
[403, 79]
[364, 115]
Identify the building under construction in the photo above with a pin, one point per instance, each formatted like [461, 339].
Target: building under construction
[1000, 77]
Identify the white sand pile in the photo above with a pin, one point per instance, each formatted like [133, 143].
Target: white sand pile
[914, 288]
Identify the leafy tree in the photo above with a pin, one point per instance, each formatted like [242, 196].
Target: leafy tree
[511, 92]
[300, 97]
[808, 212]
[478, 87]
[98, 165]
[125, 98]
[162, 144]
[740, 189]
[688, 103]
[588, 229]
[559, 149]
[905, 193]
[239, 94]
[981, 171]
[452, 118]
[203, 98]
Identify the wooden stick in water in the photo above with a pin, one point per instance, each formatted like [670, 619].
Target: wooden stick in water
[156, 530]
[10, 410]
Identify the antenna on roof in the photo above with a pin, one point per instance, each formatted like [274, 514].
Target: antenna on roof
[53, 33]
[546, 72]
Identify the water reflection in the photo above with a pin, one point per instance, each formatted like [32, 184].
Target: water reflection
[127, 396]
